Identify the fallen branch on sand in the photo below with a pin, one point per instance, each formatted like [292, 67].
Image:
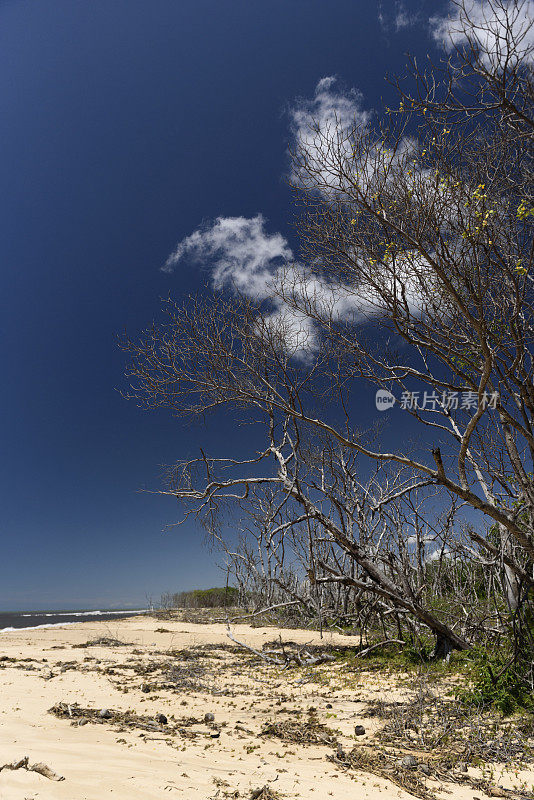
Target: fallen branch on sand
[258, 613]
[405, 773]
[385, 643]
[40, 768]
[128, 720]
[302, 658]
[258, 653]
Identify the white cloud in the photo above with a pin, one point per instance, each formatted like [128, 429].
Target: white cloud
[485, 24]
[324, 122]
[238, 251]
[424, 539]
[437, 554]
[244, 258]
[294, 331]
[332, 145]
[381, 17]
[403, 19]
[330, 107]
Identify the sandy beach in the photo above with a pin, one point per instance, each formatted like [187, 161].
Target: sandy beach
[124, 748]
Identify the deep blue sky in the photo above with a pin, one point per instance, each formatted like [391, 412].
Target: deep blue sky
[125, 124]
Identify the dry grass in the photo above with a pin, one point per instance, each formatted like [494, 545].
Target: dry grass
[298, 731]
[128, 720]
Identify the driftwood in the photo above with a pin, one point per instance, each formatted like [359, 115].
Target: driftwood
[385, 643]
[40, 768]
[301, 658]
[258, 613]
[258, 653]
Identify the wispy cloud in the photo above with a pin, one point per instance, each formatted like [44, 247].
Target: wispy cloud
[238, 251]
[398, 18]
[330, 106]
[243, 257]
[326, 132]
[328, 117]
[404, 18]
[486, 24]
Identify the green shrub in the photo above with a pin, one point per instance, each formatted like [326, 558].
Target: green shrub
[418, 654]
[218, 597]
[498, 680]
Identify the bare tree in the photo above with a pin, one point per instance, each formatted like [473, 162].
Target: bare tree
[417, 230]
[427, 232]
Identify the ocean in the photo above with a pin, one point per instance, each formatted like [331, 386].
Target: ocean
[10, 621]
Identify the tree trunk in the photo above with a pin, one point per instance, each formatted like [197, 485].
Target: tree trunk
[443, 648]
[512, 589]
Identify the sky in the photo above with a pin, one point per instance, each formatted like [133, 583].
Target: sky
[126, 127]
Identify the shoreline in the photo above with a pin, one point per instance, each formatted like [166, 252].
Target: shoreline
[75, 617]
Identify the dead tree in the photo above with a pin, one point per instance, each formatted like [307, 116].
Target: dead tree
[417, 230]
[421, 225]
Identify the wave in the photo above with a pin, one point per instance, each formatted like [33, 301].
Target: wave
[84, 613]
[71, 614]
[36, 627]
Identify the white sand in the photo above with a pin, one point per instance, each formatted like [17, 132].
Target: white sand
[99, 762]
